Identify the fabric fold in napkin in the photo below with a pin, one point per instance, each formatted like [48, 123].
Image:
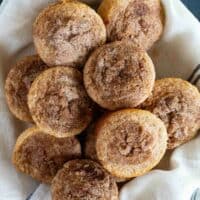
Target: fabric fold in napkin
[177, 54]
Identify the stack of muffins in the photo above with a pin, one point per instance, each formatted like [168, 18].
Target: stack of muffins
[77, 84]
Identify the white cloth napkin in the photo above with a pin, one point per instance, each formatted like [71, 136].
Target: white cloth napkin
[177, 54]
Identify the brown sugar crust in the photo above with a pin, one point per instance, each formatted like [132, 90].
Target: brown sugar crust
[59, 103]
[85, 180]
[139, 20]
[66, 32]
[18, 83]
[177, 103]
[41, 155]
[119, 75]
[130, 142]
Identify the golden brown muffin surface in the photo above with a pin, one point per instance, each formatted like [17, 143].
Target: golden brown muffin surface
[119, 75]
[83, 179]
[59, 103]
[66, 32]
[177, 103]
[18, 83]
[41, 155]
[138, 20]
[130, 142]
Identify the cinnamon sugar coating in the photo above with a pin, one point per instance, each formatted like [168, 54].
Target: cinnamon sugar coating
[128, 143]
[18, 83]
[119, 75]
[177, 103]
[83, 179]
[138, 20]
[66, 32]
[59, 103]
[41, 155]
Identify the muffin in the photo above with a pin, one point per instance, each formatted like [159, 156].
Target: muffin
[41, 155]
[58, 102]
[66, 32]
[128, 143]
[138, 20]
[18, 83]
[119, 75]
[177, 103]
[83, 179]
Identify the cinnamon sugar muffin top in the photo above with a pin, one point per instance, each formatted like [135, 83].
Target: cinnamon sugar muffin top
[66, 32]
[119, 75]
[177, 103]
[138, 20]
[59, 103]
[83, 179]
[128, 143]
[18, 83]
[41, 155]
